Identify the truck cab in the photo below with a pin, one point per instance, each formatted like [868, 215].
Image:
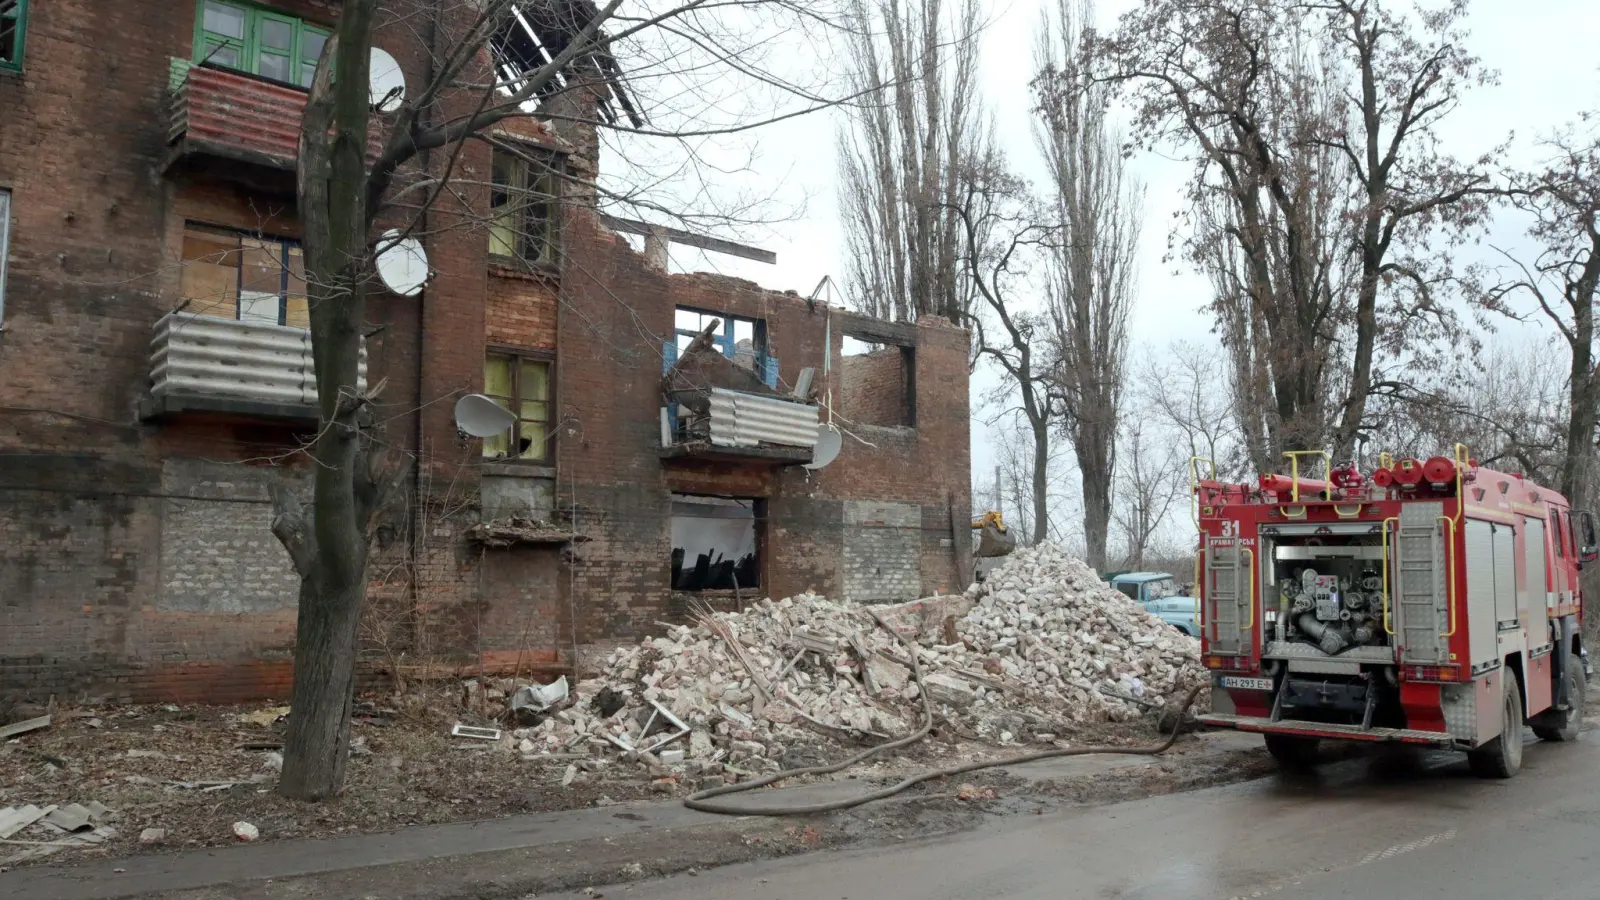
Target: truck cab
[1431, 602]
[1159, 594]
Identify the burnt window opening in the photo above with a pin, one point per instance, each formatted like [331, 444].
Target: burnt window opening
[715, 543]
[742, 340]
[878, 384]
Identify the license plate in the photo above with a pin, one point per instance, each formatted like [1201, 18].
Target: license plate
[1247, 684]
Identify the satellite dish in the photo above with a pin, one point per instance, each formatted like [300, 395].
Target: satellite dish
[826, 450]
[403, 265]
[479, 416]
[387, 84]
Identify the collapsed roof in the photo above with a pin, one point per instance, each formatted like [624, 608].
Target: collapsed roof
[537, 32]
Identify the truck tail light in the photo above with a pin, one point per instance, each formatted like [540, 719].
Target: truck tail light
[1432, 673]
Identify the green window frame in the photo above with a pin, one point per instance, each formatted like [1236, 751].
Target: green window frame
[521, 381]
[13, 33]
[525, 206]
[259, 41]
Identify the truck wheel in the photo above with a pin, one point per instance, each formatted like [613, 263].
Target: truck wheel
[1502, 757]
[1292, 752]
[1564, 726]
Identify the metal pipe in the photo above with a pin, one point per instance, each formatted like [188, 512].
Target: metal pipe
[1329, 639]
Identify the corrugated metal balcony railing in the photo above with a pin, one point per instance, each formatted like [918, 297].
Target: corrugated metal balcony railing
[728, 424]
[203, 363]
[238, 116]
[750, 420]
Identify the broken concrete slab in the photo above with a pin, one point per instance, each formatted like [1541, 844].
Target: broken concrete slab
[70, 818]
[923, 619]
[950, 690]
[17, 729]
[13, 819]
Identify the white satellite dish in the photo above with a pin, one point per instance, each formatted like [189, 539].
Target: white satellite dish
[826, 450]
[387, 84]
[479, 416]
[403, 265]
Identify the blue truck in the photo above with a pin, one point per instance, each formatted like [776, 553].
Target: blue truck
[1160, 595]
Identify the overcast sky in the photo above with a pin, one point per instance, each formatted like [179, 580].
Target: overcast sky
[1544, 51]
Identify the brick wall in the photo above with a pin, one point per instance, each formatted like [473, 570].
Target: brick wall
[872, 388]
[616, 310]
[136, 560]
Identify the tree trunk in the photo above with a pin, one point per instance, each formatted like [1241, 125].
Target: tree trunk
[330, 552]
[1096, 512]
[1041, 479]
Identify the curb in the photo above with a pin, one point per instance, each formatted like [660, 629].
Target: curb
[516, 857]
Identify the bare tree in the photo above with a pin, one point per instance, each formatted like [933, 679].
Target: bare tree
[1096, 213]
[1563, 197]
[1319, 192]
[1150, 484]
[904, 152]
[1003, 237]
[471, 85]
[1185, 388]
[1508, 405]
[1410, 73]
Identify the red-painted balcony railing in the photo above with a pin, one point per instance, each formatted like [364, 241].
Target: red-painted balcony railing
[240, 116]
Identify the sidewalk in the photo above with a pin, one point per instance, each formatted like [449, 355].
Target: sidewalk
[481, 858]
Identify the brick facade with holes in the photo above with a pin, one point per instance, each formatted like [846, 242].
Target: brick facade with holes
[136, 560]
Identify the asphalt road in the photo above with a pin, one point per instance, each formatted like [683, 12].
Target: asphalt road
[1376, 828]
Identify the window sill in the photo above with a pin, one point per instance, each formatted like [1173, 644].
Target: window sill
[510, 267]
[503, 469]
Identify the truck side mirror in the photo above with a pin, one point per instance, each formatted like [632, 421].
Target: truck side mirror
[1589, 545]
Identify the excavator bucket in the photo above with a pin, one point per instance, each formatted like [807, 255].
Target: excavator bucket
[992, 541]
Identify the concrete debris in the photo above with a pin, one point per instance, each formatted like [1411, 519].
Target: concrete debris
[152, 835]
[42, 831]
[70, 818]
[265, 718]
[1040, 646]
[13, 819]
[540, 697]
[244, 831]
[17, 729]
[970, 793]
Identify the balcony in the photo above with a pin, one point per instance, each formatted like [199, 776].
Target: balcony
[735, 426]
[219, 115]
[207, 364]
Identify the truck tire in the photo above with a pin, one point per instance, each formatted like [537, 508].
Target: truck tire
[1293, 753]
[1555, 725]
[1502, 757]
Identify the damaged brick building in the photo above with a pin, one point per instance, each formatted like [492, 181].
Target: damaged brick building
[155, 379]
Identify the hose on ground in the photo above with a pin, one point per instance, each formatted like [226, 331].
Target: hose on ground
[698, 800]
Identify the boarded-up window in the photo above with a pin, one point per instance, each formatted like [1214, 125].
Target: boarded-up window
[232, 275]
[522, 385]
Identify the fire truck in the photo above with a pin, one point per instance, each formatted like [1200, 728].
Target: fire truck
[1433, 602]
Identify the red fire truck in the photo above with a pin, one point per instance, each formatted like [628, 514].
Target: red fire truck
[1433, 602]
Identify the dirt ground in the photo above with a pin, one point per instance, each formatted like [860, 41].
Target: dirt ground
[195, 771]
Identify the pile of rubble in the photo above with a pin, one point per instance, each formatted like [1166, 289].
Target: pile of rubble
[1041, 647]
